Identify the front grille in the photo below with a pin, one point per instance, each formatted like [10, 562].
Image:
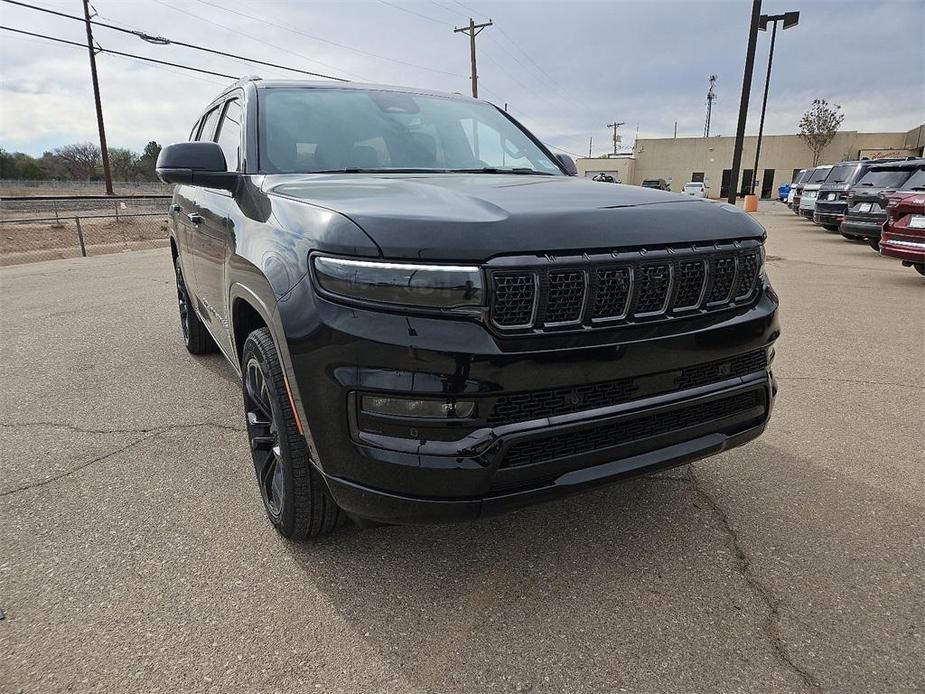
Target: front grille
[566, 294]
[513, 299]
[537, 404]
[652, 288]
[628, 430]
[612, 292]
[570, 293]
[724, 272]
[691, 276]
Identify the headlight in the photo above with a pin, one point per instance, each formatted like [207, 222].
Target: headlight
[402, 284]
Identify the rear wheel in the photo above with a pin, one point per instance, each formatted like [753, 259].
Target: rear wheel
[195, 335]
[296, 499]
[874, 243]
[919, 268]
[852, 237]
[830, 227]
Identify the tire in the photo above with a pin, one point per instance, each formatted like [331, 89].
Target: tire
[295, 496]
[831, 228]
[195, 335]
[851, 237]
[874, 243]
[919, 268]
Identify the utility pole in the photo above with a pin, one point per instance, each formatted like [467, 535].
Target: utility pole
[789, 19]
[743, 103]
[590, 142]
[471, 31]
[615, 125]
[104, 151]
[711, 97]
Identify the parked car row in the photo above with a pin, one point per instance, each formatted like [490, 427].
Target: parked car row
[880, 202]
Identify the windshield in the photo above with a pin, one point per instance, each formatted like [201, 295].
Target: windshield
[801, 177]
[819, 175]
[884, 178]
[315, 130]
[917, 181]
[842, 174]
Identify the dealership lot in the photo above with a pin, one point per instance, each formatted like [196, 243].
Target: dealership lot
[137, 556]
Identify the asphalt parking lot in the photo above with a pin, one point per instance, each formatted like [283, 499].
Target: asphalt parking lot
[136, 555]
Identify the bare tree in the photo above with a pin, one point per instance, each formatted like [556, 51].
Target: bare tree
[124, 163]
[80, 160]
[819, 125]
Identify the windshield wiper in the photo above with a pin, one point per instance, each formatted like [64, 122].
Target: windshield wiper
[495, 170]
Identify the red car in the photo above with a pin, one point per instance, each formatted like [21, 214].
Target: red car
[903, 234]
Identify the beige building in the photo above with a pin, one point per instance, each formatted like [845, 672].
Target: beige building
[708, 159]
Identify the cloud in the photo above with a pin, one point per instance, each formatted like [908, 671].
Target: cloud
[565, 69]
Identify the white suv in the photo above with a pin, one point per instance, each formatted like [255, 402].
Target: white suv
[811, 189]
[698, 190]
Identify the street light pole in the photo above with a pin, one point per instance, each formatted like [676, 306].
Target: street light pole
[743, 103]
[789, 19]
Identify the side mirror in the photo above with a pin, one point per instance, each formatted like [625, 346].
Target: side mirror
[568, 164]
[196, 164]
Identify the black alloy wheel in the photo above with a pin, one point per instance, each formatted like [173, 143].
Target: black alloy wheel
[294, 493]
[196, 336]
[263, 434]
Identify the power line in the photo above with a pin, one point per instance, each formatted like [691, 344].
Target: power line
[328, 41]
[119, 53]
[161, 40]
[416, 14]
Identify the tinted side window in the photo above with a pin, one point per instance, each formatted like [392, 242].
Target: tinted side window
[208, 125]
[229, 135]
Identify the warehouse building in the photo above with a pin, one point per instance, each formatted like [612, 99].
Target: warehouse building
[707, 159]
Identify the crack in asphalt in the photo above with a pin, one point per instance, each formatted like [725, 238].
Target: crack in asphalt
[149, 433]
[142, 430]
[771, 623]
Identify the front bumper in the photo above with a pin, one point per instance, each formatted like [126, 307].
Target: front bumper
[401, 472]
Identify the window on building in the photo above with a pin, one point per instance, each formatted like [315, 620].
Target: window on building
[697, 177]
[796, 172]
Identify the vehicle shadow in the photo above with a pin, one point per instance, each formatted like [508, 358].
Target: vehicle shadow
[439, 602]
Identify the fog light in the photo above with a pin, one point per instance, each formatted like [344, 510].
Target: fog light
[407, 407]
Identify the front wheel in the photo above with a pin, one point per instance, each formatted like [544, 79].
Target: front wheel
[874, 243]
[295, 496]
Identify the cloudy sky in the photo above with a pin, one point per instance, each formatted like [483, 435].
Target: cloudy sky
[565, 68]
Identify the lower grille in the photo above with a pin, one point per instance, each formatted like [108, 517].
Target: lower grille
[522, 407]
[628, 430]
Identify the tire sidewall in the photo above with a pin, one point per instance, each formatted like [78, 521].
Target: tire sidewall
[279, 406]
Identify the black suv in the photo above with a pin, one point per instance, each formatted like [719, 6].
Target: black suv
[867, 199]
[433, 320]
[832, 199]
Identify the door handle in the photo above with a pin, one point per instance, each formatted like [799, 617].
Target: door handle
[176, 208]
[194, 218]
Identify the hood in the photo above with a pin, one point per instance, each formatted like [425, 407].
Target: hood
[475, 217]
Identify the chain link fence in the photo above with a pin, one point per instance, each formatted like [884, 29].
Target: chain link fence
[51, 227]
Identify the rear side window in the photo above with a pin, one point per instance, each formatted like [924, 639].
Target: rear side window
[886, 178]
[208, 125]
[842, 174]
[917, 182]
[229, 134]
[819, 175]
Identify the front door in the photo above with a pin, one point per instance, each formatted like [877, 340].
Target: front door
[746, 182]
[767, 183]
[724, 184]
